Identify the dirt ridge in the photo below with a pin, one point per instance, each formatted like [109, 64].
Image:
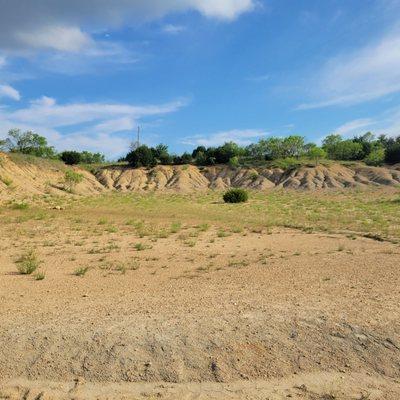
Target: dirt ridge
[19, 176]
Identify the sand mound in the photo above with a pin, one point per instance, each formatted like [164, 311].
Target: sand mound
[29, 176]
[190, 178]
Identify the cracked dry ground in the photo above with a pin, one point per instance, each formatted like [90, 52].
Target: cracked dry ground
[198, 314]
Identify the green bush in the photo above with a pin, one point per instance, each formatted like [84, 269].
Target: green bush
[236, 196]
[28, 263]
[71, 157]
[71, 179]
[234, 162]
[376, 158]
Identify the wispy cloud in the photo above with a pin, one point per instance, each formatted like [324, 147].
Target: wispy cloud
[362, 75]
[173, 29]
[93, 126]
[387, 123]
[66, 25]
[9, 92]
[242, 137]
[354, 127]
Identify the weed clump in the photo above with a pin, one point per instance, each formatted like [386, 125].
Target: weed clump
[39, 276]
[81, 271]
[236, 196]
[28, 263]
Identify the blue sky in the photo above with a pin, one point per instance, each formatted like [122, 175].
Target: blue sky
[190, 72]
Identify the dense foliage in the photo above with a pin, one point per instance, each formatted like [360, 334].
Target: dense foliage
[84, 157]
[236, 196]
[33, 144]
[27, 143]
[286, 152]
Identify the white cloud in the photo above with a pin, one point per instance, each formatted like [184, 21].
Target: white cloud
[354, 127]
[61, 38]
[365, 74]
[173, 29]
[10, 92]
[66, 25]
[116, 125]
[91, 126]
[46, 111]
[241, 137]
[386, 123]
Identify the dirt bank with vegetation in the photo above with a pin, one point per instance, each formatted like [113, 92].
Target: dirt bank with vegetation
[22, 175]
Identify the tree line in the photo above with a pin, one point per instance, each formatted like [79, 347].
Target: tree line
[31, 143]
[372, 150]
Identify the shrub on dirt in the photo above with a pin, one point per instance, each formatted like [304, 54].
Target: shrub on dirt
[28, 263]
[236, 196]
[71, 157]
[39, 276]
[81, 271]
[72, 178]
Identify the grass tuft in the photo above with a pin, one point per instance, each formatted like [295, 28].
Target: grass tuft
[28, 263]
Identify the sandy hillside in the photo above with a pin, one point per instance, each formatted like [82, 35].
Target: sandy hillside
[21, 176]
[190, 178]
[198, 315]
[29, 176]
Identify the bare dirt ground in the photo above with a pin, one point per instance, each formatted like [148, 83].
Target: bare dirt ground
[196, 312]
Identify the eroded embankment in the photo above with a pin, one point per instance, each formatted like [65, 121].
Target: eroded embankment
[21, 176]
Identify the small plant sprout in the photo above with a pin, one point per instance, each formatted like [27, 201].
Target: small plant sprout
[39, 276]
[81, 271]
[140, 246]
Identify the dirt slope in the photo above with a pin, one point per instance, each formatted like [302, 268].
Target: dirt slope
[189, 178]
[28, 176]
[22, 176]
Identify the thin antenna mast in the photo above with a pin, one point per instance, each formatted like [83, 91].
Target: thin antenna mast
[136, 143]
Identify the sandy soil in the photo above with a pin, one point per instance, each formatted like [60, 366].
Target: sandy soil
[249, 316]
[25, 177]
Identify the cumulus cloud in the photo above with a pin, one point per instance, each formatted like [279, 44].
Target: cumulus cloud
[242, 137]
[362, 75]
[66, 25]
[94, 126]
[9, 92]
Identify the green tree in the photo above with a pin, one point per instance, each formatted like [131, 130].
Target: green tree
[393, 152]
[227, 151]
[316, 153]
[143, 156]
[293, 146]
[88, 157]
[339, 149]
[28, 143]
[234, 162]
[376, 157]
[162, 155]
[71, 157]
